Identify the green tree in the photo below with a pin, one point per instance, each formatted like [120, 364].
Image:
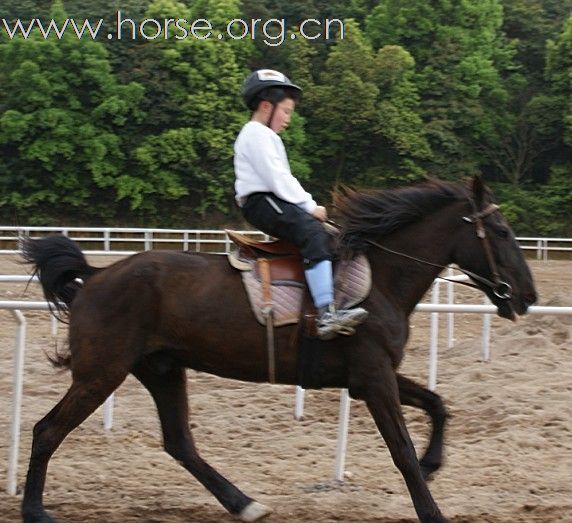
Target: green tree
[295, 12]
[400, 123]
[342, 109]
[25, 9]
[60, 112]
[559, 76]
[364, 121]
[195, 150]
[460, 54]
[546, 208]
[530, 141]
[529, 24]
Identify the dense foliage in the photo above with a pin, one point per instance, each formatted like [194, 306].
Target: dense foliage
[140, 131]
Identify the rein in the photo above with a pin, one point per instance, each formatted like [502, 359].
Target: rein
[472, 275]
[501, 289]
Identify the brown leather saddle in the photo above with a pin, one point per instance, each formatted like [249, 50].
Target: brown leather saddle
[273, 276]
[280, 258]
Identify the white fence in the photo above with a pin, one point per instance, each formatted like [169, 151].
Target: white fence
[19, 351]
[120, 241]
[108, 241]
[543, 246]
[126, 241]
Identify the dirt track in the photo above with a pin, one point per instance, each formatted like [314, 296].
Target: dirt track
[509, 444]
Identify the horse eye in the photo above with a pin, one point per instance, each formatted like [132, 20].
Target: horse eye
[502, 233]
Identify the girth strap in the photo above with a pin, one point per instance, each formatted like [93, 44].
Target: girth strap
[268, 317]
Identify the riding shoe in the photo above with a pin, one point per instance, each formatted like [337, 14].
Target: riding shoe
[332, 322]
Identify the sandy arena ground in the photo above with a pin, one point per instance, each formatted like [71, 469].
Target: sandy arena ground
[508, 453]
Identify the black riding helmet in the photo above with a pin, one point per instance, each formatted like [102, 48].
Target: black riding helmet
[258, 84]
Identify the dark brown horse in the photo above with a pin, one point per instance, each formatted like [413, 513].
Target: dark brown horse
[156, 313]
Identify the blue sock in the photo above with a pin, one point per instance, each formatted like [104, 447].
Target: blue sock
[321, 283]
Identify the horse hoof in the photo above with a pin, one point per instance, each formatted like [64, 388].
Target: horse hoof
[38, 518]
[254, 511]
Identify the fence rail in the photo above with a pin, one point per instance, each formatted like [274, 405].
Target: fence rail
[543, 246]
[128, 240]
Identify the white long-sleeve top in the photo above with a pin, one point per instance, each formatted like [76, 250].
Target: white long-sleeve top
[261, 165]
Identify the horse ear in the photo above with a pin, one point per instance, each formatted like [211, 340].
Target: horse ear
[478, 190]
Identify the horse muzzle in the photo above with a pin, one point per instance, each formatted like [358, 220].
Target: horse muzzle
[516, 305]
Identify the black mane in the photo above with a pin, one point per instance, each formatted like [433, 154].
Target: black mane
[375, 213]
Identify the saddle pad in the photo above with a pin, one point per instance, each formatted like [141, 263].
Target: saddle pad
[352, 285]
[286, 300]
[352, 281]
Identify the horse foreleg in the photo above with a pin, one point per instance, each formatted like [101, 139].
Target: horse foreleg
[169, 390]
[414, 395]
[79, 402]
[382, 398]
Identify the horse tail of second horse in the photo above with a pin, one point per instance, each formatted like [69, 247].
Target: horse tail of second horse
[60, 266]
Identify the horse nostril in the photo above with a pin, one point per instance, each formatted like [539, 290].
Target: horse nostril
[530, 299]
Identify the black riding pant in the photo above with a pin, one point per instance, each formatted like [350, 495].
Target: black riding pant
[282, 219]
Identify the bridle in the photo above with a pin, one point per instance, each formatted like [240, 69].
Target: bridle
[501, 289]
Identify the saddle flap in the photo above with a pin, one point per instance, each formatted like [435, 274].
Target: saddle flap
[286, 270]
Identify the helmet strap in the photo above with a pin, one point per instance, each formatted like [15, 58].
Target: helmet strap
[271, 117]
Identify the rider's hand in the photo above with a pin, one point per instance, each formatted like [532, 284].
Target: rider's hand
[320, 213]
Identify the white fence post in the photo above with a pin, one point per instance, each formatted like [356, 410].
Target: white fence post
[342, 442]
[486, 342]
[450, 315]
[434, 349]
[299, 405]
[19, 352]
[108, 412]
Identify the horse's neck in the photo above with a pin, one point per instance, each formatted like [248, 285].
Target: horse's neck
[403, 280]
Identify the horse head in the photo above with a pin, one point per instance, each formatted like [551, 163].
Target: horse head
[488, 250]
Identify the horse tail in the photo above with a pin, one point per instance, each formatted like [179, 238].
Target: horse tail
[61, 268]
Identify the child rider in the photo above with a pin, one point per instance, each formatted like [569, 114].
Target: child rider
[273, 200]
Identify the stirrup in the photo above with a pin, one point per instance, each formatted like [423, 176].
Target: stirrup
[346, 331]
[333, 333]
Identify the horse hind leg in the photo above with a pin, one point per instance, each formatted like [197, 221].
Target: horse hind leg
[414, 395]
[78, 403]
[168, 386]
